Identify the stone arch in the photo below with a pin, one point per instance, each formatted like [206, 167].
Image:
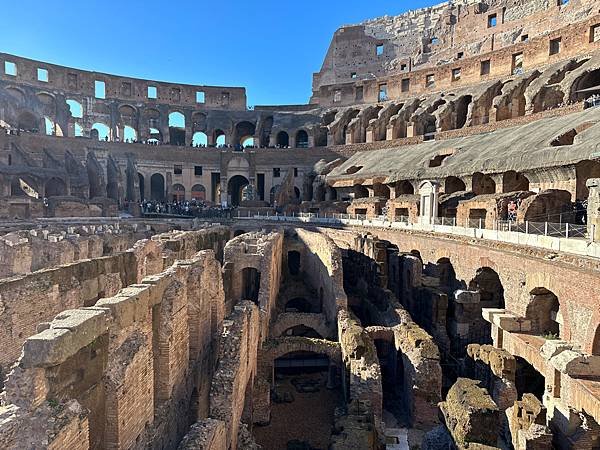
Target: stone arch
[27, 121]
[454, 184]
[176, 128]
[514, 181]
[543, 311]
[283, 139]
[24, 186]
[301, 139]
[404, 188]
[360, 191]
[282, 346]
[487, 282]
[483, 184]
[587, 80]
[303, 331]
[316, 322]
[95, 176]
[55, 187]
[234, 188]
[243, 131]
[381, 190]
[157, 187]
[198, 192]
[585, 170]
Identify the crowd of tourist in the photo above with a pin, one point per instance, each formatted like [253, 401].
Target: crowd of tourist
[190, 208]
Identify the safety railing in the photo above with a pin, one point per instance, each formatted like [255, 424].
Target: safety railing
[559, 230]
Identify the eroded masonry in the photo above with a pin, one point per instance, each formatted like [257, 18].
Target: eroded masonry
[410, 260]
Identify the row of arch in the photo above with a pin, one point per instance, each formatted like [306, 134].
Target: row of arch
[482, 184]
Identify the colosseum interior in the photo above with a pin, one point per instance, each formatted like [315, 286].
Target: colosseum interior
[411, 260]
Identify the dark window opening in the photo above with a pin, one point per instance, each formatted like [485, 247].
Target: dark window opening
[555, 46]
[250, 284]
[294, 262]
[405, 86]
[198, 171]
[276, 172]
[485, 67]
[177, 169]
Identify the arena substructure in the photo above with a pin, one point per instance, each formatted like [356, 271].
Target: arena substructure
[410, 260]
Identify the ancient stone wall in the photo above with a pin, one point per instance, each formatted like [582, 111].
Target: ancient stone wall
[82, 283]
[123, 372]
[25, 252]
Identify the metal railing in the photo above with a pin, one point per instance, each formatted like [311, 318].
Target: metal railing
[559, 230]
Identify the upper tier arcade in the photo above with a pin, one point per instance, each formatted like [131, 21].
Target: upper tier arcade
[451, 45]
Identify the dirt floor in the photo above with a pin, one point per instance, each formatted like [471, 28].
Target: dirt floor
[309, 417]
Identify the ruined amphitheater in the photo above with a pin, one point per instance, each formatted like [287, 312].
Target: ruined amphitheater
[409, 260]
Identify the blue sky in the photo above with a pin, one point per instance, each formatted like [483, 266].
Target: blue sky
[271, 47]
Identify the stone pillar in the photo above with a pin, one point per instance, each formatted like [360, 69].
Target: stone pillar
[370, 136]
[330, 139]
[593, 209]
[311, 141]
[411, 130]
[428, 212]
[389, 133]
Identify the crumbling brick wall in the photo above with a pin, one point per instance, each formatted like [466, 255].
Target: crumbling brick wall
[123, 370]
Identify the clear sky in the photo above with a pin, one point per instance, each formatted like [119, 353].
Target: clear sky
[271, 47]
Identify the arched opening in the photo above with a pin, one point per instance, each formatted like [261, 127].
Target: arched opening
[360, 191]
[178, 193]
[302, 139]
[584, 171]
[528, 380]
[77, 130]
[488, 284]
[142, 185]
[154, 136]
[55, 187]
[23, 187]
[543, 310]
[129, 134]
[100, 131]
[198, 192]
[199, 139]
[220, 138]
[176, 128]
[514, 181]
[244, 131]
[283, 139]
[454, 184]
[157, 187]
[247, 142]
[75, 108]
[483, 184]
[294, 262]
[250, 284]
[585, 86]
[297, 193]
[27, 122]
[299, 305]
[52, 128]
[404, 188]
[234, 188]
[238, 233]
[462, 110]
[381, 190]
[303, 331]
